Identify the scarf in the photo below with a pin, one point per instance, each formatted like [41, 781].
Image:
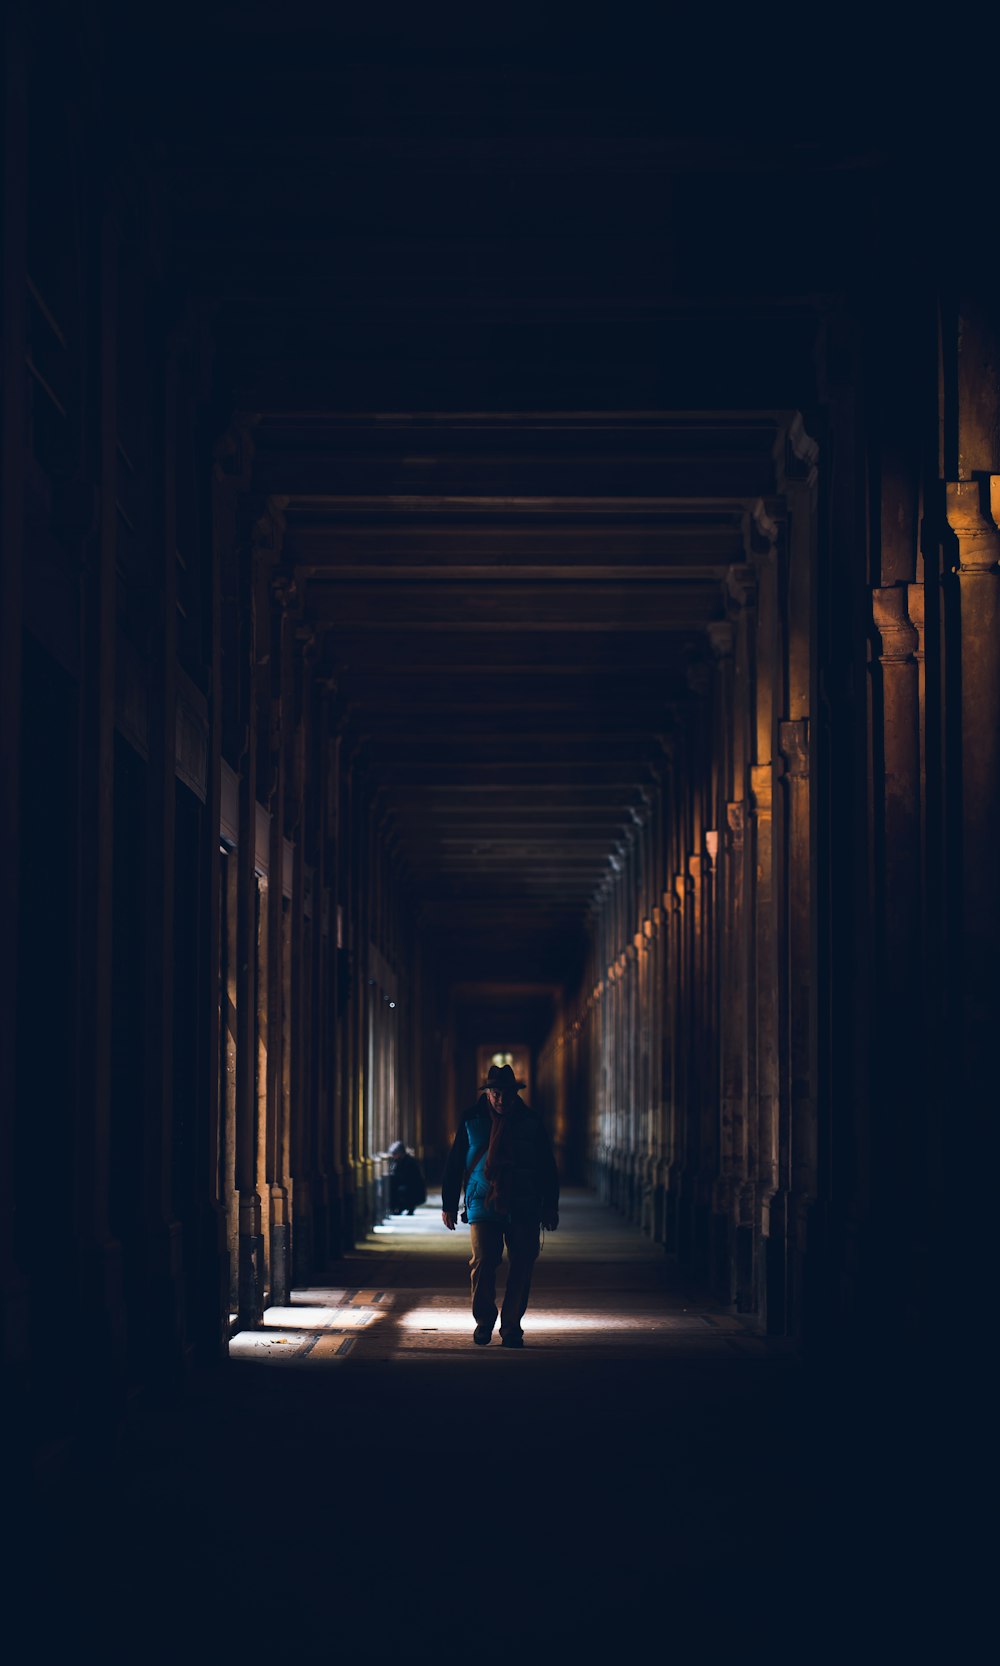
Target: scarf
[499, 1166]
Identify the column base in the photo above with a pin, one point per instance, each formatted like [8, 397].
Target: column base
[335, 1241]
[348, 1221]
[773, 1282]
[303, 1251]
[701, 1244]
[723, 1258]
[251, 1279]
[97, 1411]
[647, 1219]
[382, 1202]
[671, 1211]
[280, 1265]
[164, 1301]
[659, 1205]
[325, 1223]
[685, 1221]
[745, 1268]
[210, 1322]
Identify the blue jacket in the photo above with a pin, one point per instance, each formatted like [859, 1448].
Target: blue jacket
[534, 1191]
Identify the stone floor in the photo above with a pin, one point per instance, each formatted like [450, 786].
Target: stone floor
[647, 1473]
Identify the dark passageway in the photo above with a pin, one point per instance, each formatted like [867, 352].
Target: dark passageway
[500, 550]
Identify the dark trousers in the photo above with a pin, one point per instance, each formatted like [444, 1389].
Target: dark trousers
[488, 1240]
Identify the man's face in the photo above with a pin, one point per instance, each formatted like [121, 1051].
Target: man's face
[498, 1100]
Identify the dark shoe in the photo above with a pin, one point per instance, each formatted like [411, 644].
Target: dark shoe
[482, 1334]
[513, 1339]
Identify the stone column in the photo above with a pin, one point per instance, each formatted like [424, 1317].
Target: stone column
[681, 1184]
[356, 881]
[304, 1018]
[916, 613]
[230, 478]
[900, 777]
[738, 1043]
[801, 1169]
[251, 1270]
[764, 903]
[797, 459]
[328, 962]
[660, 1059]
[347, 993]
[699, 1108]
[14, 1313]
[897, 1137]
[164, 1246]
[736, 1182]
[973, 508]
[668, 1060]
[722, 639]
[283, 595]
[99, 1267]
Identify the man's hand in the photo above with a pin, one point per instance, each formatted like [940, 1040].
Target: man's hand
[551, 1223]
[450, 1221]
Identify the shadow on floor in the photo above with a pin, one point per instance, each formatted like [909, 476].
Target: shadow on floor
[647, 1473]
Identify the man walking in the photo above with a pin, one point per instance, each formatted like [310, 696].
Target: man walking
[502, 1153]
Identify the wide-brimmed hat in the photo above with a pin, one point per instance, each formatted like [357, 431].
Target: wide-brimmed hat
[501, 1078]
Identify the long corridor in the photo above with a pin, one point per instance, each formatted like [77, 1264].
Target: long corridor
[633, 1478]
[499, 571]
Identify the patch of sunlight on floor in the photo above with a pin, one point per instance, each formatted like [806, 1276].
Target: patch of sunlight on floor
[317, 1295]
[320, 1318]
[256, 1344]
[433, 1319]
[405, 1226]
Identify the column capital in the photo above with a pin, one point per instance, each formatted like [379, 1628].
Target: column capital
[898, 639]
[972, 508]
[760, 531]
[284, 590]
[796, 454]
[721, 638]
[233, 454]
[267, 535]
[306, 640]
[639, 814]
[915, 607]
[793, 743]
[697, 676]
[741, 584]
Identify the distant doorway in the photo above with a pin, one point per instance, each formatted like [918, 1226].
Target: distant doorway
[517, 1056]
